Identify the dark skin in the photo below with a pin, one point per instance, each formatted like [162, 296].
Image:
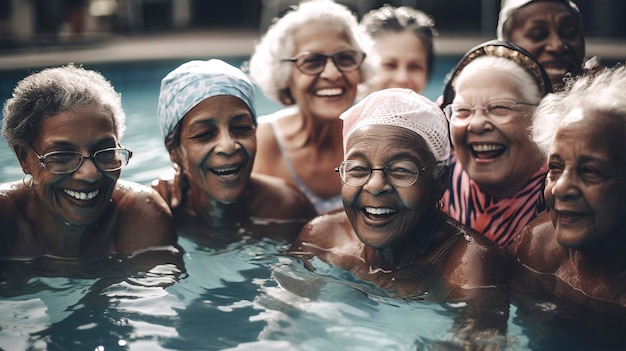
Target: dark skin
[551, 32]
[215, 156]
[431, 257]
[543, 265]
[577, 251]
[83, 213]
[136, 219]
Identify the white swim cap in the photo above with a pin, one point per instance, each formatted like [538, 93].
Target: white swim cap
[401, 108]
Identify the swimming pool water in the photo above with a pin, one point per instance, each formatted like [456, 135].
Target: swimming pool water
[245, 295]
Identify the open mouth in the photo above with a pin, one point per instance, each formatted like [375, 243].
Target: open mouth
[80, 195]
[378, 213]
[556, 68]
[226, 171]
[569, 216]
[487, 151]
[330, 92]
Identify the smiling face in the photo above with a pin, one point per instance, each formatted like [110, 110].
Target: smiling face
[585, 186]
[403, 62]
[82, 196]
[492, 153]
[331, 92]
[552, 33]
[383, 215]
[217, 148]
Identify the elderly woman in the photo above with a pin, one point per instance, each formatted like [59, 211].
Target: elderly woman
[206, 112]
[311, 60]
[65, 126]
[391, 231]
[576, 251]
[497, 172]
[551, 30]
[403, 42]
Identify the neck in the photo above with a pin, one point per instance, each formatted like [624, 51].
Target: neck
[412, 249]
[324, 133]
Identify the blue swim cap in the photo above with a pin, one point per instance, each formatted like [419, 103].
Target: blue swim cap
[193, 82]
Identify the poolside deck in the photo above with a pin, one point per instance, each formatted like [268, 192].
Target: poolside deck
[217, 43]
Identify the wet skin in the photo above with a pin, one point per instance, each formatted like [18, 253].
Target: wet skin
[79, 197]
[217, 148]
[585, 186]
[576, 250]
[84, 213]
[551, 33]
[383, 215]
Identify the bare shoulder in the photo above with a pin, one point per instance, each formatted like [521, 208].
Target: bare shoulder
[535, 246]
[273, 197]
[475, 260]
[145, 219]
[325, 232]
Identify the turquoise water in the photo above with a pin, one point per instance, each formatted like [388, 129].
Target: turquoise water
[242, 296]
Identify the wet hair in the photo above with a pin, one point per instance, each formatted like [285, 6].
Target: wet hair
[54, 90]
[389, 19]
[506, 18]
[266, 68]
[600, 92]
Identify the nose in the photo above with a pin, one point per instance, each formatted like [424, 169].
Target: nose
[330, 69]
[87, 171]
[401, 77]
[565, 187]
[377, 183]
[557, 44]
[478, 124]
[226, 144]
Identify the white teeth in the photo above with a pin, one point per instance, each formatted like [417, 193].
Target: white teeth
[379, 211]
[225, 170]
[555, 71]
[78, 195]
[486, 147]
[329, 92]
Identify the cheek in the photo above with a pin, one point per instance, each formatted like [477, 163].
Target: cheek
[457, 135]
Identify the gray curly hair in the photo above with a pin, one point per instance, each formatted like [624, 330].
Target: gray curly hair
[55, 90]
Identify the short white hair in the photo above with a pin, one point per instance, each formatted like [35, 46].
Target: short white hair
[267, 70]
[603, 92]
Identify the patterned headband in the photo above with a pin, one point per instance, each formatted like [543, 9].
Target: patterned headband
[507, 50]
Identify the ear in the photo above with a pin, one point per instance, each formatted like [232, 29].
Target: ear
[22, 155]
[175, 158]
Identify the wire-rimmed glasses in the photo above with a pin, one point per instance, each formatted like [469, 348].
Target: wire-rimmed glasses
[64, 162]
[313, 63]
[399, 174]
[497, 111]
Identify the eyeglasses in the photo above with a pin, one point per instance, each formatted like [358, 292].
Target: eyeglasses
[498, 111]
[64, 162]
[313, 63]
[400, 174]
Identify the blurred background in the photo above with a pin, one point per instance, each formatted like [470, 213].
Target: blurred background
[27, 23]
[135, 43]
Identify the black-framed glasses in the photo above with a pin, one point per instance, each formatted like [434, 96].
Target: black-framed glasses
[64, 162]
[313, 63]
[400, 174]
[497, 111]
